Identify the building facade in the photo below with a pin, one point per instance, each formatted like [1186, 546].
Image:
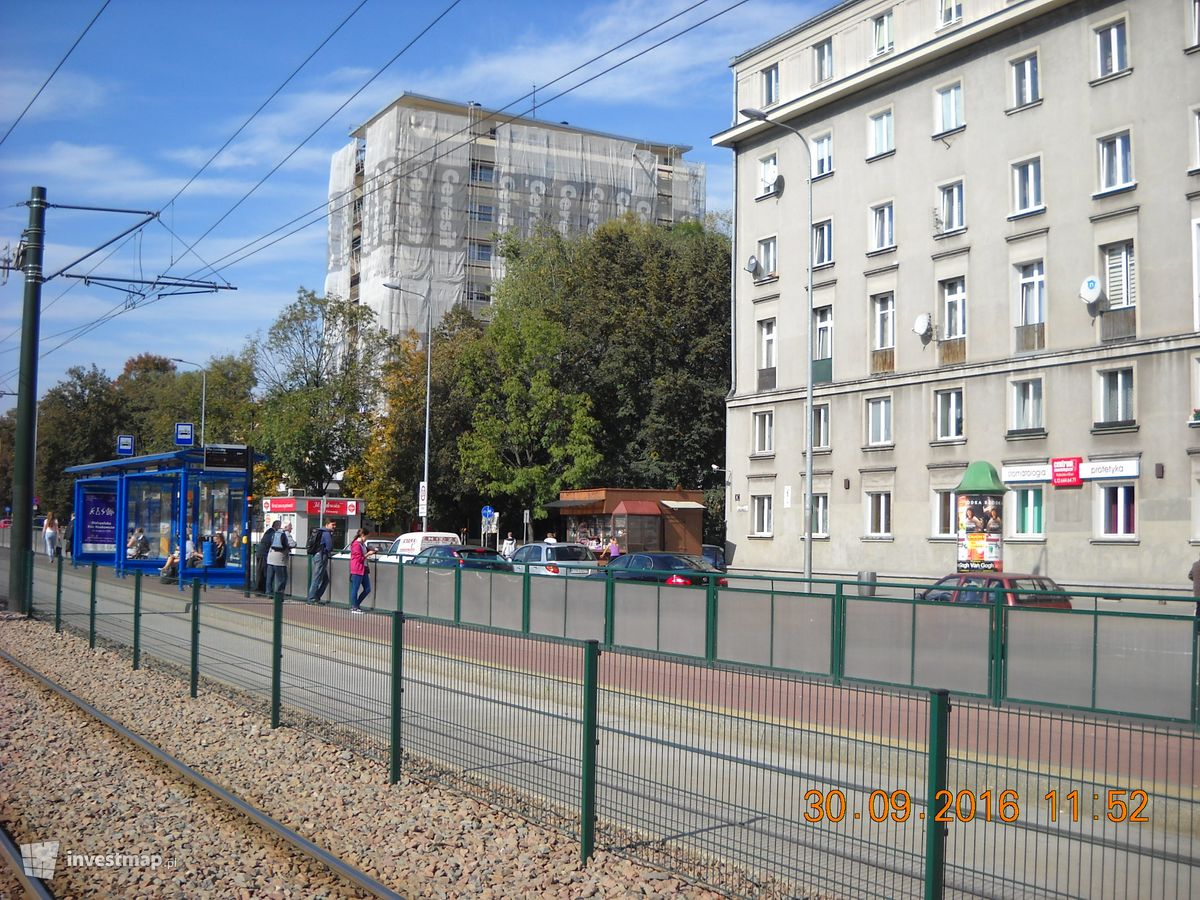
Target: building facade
[419, 195]
[1005, 248]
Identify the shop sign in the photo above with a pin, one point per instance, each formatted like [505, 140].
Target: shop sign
[1111, 468]
[1064, 471]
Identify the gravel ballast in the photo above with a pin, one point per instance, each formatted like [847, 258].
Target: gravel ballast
[418, 839]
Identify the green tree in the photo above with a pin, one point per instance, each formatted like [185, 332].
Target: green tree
[144, 387]
[318, 368]
[8, 450]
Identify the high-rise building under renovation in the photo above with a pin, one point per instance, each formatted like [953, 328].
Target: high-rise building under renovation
[419, 196]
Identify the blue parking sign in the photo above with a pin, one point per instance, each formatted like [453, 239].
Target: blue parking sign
[185, 434]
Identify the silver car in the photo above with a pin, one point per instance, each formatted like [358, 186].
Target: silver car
[544, 558]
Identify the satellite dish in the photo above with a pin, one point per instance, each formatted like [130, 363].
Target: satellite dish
[1090, 290]
[922, 325]
[752, 264]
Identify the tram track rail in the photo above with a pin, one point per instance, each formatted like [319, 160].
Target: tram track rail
[263, 821]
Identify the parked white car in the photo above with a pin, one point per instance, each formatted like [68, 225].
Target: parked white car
[542, 558]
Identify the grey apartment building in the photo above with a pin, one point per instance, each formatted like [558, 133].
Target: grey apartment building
[420, 193]
[1005, 247]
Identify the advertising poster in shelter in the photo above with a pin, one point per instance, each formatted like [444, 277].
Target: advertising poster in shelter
[980, 533]
[99, 522]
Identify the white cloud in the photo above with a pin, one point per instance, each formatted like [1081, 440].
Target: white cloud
[68, 96]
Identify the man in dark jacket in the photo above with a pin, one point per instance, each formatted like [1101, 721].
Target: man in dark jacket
[264, 547]
[320, 566]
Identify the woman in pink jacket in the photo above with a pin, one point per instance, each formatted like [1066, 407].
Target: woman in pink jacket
[360, 576]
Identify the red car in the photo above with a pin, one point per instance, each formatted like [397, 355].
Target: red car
[980, 587]
[5, 523]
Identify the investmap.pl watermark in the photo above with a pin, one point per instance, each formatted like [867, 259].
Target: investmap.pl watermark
[40, 859]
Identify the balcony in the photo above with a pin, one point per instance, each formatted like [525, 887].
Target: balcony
[1119, 324]
[952, 352]
[883, 360]
[1030, 337]
[766, 379]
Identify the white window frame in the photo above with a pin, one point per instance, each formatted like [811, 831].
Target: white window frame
[944, 522]
[1195, 23]
[768, 172]
[822, 153]
[477, 214]
[823, 60]
[948, 414]
[954, 308]
[953, 206]
[823, 332]
[949, 12]
[882, 34]
[1115, 159]
[1027, 194]
[878, 509]
[883, 321]
[1031, 292]
[768, 257]
[1028, 404]
[822, 238]
[764, 432]
[766, 343]
[1122, 496]
[1112, 48]
[480, 167]
[881, 132]
[1026, 80]
[1116, 394]
[1120, 274]
[770, 85]
[1027, 513]
[820, 515]
[948, 108]
[883, 226]
[879, 421]
[820, 426]
[1195, 114]
[763, 513]
[479, 251]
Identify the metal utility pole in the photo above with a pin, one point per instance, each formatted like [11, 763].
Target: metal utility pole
[30, 262]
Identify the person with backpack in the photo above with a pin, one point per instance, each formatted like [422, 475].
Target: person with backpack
[282, 545]
[320, 548]
[260, 562]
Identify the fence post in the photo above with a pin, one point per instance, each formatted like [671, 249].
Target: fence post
[31, 568]
[526, 582]
[137, 620]
[91, 610]
[935, 832]
[195, 605]
[610, 608]
[996, 675]
[587, 800]
[400, 585]
[710, 619]
[276, 659]
[837, 649]
[397, 695]
[58, 601]
[457, 594]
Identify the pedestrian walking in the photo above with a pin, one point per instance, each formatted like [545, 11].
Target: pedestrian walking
[68, 538]
[320, 548]
[509, 547]
[360, 575]
[282, 545]
[1194, 575]
[50, 535]
[264, 547]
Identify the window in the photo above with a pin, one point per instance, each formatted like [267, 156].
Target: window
[823, 60]
[1110, 45]
[820, 515]
[1032, 290]
[1116, 164]
[883, 316]
[1116, 396]
[949, 414]
[879, 513]
[764, 522]
[821, 426]
[952, 207]
[945, 514]
[823, 345]
[822, 238]
[1028, 519]
[766, 344]
[881, 137]
[770, 85]
[478, 294]
[1027, 405]
[764, 432]
[1119, 269]
[822, 148]
[949, 11]
[883, 232]
[482, 172]
[1195, 23]
[768, 171]
[1026, 89]
[881, 28]
[879, 421]
[1027, 185]
[954, 309]
[1118, 510]
[766, 257]
[950, 107]
[479, 251]
[482, 212]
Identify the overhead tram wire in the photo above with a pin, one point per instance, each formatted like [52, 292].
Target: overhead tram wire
[49, 77]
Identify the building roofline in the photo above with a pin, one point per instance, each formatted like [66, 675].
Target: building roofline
[794, 30]
[458, 106]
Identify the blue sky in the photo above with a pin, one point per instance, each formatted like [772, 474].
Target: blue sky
[155, 88]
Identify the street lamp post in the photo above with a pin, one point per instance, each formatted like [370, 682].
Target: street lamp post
[393, 286]
[203, 391]
[759, 115]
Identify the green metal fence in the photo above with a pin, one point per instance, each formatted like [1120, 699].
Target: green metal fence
[755, 779]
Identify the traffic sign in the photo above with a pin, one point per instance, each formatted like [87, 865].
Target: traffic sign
[423, 500]
[124, 445]
[487, 512]
[185, 434]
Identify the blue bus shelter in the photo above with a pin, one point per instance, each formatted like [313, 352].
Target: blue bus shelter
[134, 513]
